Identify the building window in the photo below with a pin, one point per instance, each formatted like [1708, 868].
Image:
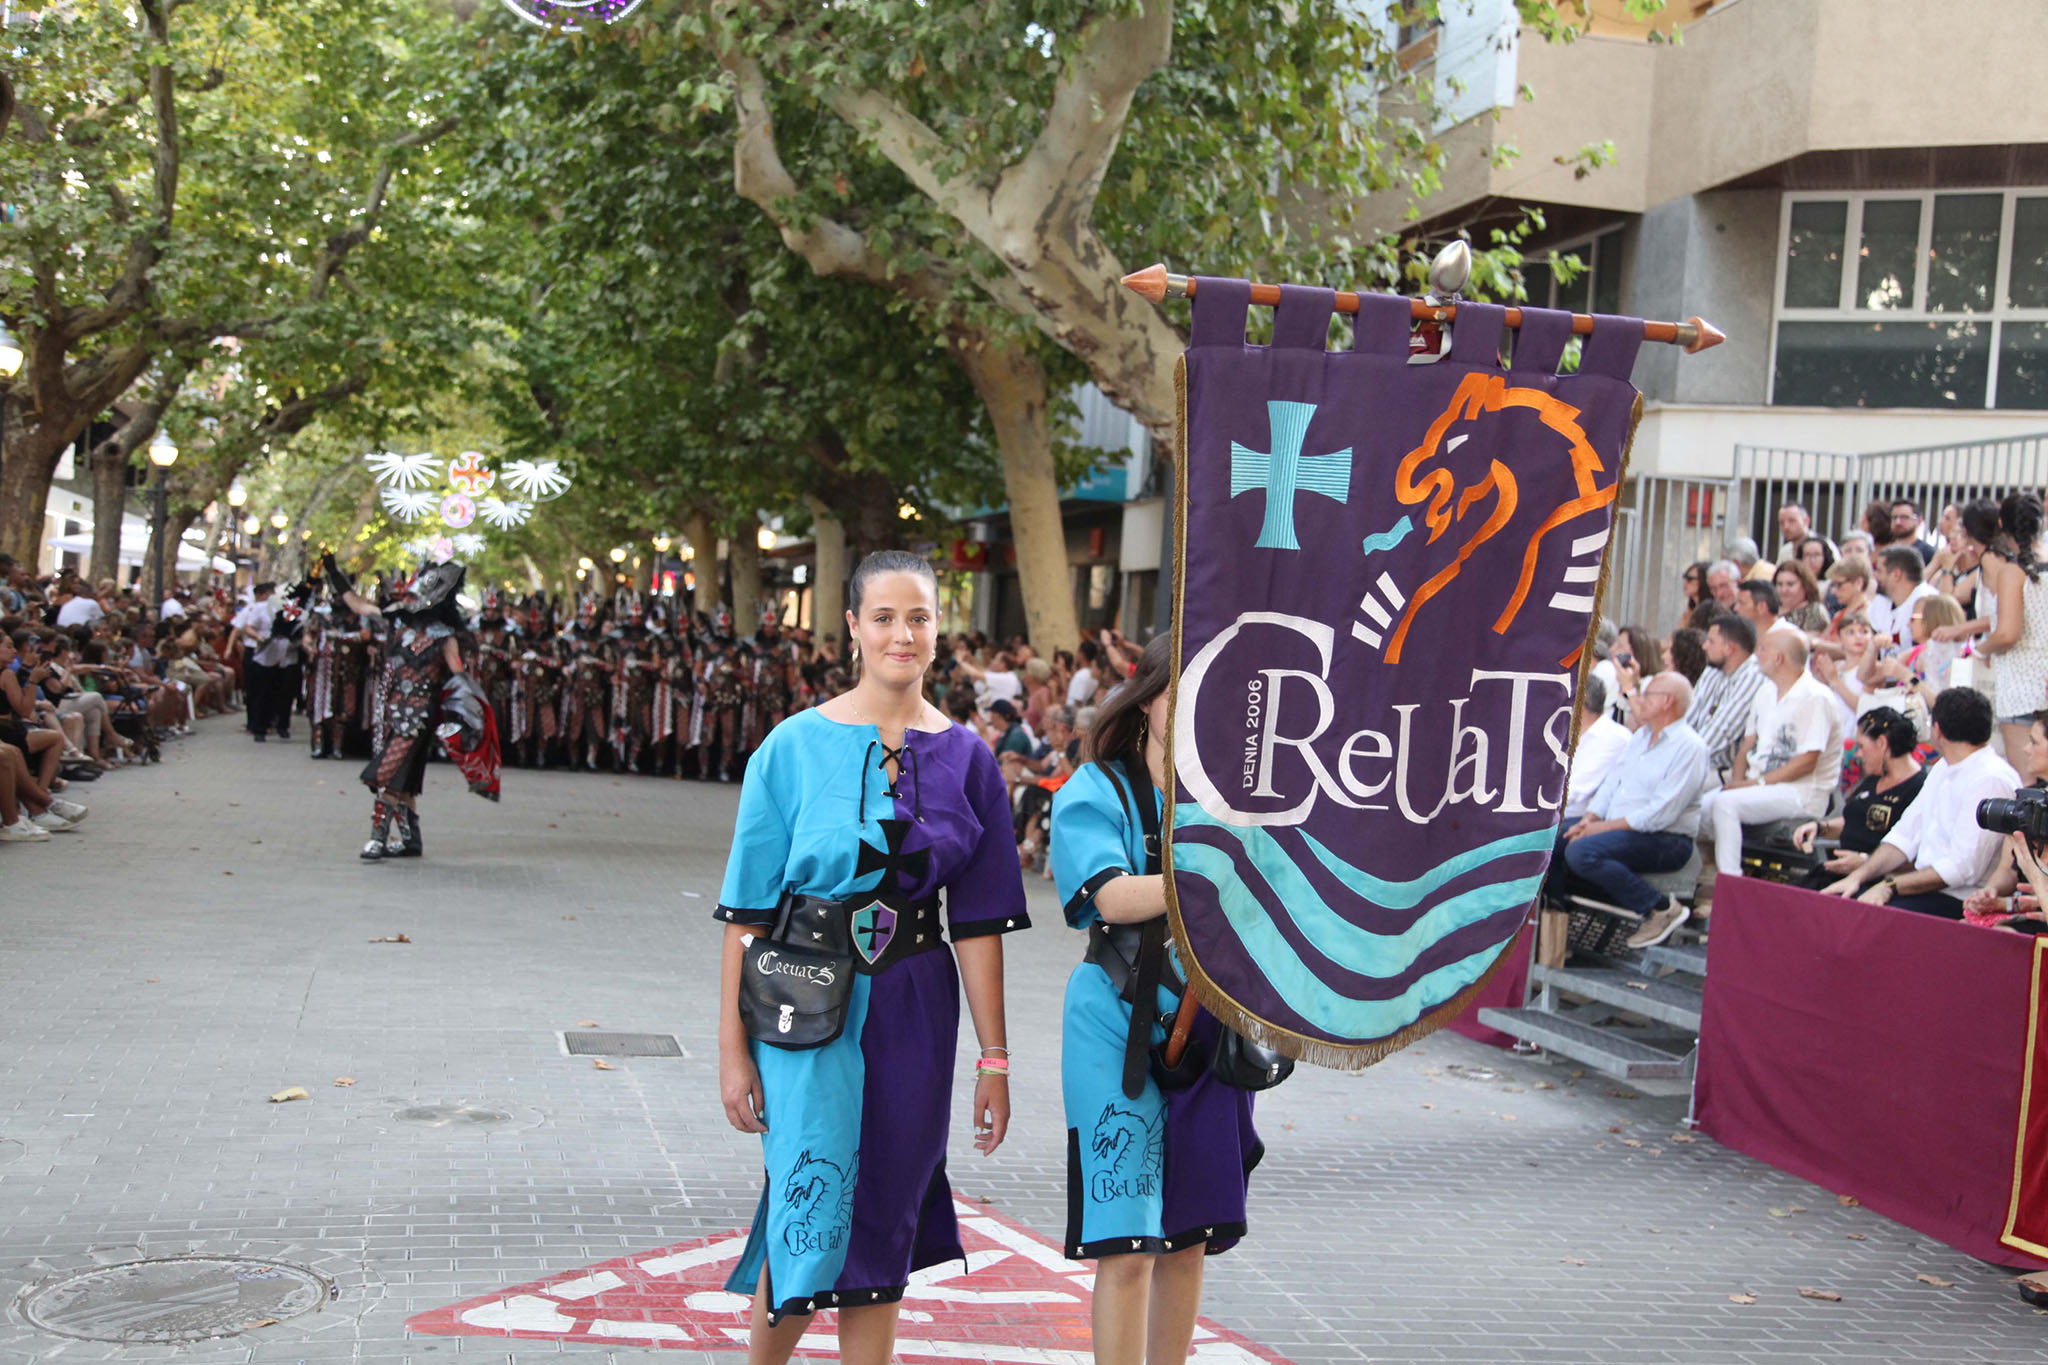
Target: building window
[1595, 289]
[1927, 300]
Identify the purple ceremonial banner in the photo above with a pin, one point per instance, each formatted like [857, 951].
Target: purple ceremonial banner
[1876, 1052]
[1386, 572]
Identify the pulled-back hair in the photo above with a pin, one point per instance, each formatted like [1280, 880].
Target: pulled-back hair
[885, 562]
[1120, 720]
[2020, 515]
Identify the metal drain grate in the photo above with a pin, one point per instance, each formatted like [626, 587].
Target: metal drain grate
[593, 1043]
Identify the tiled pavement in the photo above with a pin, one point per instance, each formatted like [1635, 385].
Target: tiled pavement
[206, 941]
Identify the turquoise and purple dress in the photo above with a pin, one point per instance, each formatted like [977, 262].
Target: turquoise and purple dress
[1168, 1170]
[856, 1198]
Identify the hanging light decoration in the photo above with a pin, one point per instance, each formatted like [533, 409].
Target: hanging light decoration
[569, 16]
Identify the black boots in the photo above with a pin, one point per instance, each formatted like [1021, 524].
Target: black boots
[409, 843]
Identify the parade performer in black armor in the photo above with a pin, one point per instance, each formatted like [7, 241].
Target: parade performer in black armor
[423, 663]
[635, 667]
[497, 646]
[335, 643]
[585, 694]
[672, 690]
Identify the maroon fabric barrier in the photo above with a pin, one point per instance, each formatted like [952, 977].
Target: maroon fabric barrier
[1507, 988]
[1875, 1052]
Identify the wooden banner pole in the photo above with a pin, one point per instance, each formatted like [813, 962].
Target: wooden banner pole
[1693, 335]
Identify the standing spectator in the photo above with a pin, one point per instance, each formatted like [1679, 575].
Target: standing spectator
[1936, 854]
[1722, 576]
[1795, 526]
[1788, 761]
[997, 682]
[2019, 634]
[1082, 686]
[1720, 708]
[1601, 742]
[1968, 566]
[1901, 581]
[1909, 530]
[1799, 596]
[1644, 815]
[264, 656]
[1039, 694]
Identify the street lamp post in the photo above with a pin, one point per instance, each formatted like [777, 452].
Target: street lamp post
[163, 454]
[238, 494]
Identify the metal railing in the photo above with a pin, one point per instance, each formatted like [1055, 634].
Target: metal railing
[1665, 522]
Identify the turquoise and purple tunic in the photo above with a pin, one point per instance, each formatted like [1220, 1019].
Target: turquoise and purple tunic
[856, 1198]
[1168, 1170]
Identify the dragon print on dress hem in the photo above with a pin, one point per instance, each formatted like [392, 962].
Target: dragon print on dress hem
[820, 1196]
[1134, 1151]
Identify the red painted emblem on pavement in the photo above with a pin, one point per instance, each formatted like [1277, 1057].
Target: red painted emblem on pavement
[1014, 1301]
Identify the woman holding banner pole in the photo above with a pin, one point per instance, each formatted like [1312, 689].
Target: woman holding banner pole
[1156, 1179]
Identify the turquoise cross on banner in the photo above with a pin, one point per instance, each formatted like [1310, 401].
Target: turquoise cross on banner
[1285, 472]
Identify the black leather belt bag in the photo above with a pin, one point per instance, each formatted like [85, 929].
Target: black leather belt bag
[796, 981]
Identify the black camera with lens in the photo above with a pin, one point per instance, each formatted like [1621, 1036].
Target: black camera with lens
[2025, 812]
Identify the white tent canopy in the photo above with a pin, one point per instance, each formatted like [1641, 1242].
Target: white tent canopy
[135, 545]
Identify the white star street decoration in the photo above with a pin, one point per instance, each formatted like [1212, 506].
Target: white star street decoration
[409, 506]
[469, 543]
[404, 471]
[537, 478]
[503, 514]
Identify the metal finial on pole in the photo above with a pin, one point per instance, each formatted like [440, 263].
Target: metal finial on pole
[1449, 271]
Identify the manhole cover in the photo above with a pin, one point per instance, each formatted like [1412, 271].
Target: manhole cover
[173, 1299]
[451, 1115]
[593, 1043]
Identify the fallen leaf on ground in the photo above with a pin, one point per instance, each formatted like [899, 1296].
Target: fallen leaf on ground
[1683, 1137]
[1631, 1142]
[1613, 1127]
[154, 979]
[568, 917]
[1624, 1094]
[1429, 1106]
[1824, 1295]
[1936, 1281]
[1572, 1260]
[586, 1023]
[1848, 1201]
[1575, 1075]
[1637, 985]
[260, 1322]
[297, 1092]
[1783, 1213]
[1856, 1236]
[1287, 1127]
[227, 874]
[344, 1081]
[1507, 1118]
[1797, 1208]
[1742, 1298]
[394, 938]
[1545, 1085]
[1351, 1118]
[602, 1065]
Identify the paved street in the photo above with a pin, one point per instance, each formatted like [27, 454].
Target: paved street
[207, 941]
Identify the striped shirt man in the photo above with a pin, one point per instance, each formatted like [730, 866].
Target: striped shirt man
[1721, 703]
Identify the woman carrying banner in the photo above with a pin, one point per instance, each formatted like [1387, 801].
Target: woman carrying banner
[840, 1007]
[1156, 1179]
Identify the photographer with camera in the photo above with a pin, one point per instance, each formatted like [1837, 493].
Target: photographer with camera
[1939, 850]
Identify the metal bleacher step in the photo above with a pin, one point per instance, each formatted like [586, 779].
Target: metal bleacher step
[1604, 1050]
[1651, 997]
[1690, 958]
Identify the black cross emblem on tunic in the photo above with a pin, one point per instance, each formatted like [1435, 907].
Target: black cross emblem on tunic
[893, 863]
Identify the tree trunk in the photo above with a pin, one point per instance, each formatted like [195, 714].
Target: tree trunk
[703, 562]
[109, 502]
[29, 454]
[1012, 385]
[828, 575]
[744, 553]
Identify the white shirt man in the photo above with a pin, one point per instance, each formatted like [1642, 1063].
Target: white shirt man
[1936, 853]
[1602, 740]
[171, 607]
[254, 622]
[1899, 586]
[1081, 687]
[81, 610]
[1790, 758]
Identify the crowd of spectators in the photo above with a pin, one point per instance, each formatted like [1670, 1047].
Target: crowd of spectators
[1031, 710]
[1851, 702]
[94, 679]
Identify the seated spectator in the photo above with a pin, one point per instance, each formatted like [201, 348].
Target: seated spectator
[1644, 816]
[1688, 653]
[1799, 597]
[1858, 543]
[1789, 758]
[1936, 854]
[1722, 576]
[1925, 662]
[1885, 740]
[1601, 741]
[2012, 889]
[1748, 560]
[1720, 708]
[1757, 603]
[1818, 554]
[1843, 677]
[1849, 585]
[29, 812]
[22, 723]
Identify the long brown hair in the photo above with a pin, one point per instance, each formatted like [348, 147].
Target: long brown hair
[1121, 720]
